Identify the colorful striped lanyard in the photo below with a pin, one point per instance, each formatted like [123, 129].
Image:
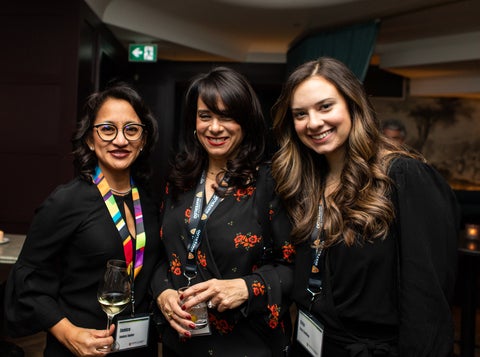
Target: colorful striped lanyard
[117, 218]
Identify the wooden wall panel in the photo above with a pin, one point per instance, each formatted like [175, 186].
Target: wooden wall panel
[48, 65]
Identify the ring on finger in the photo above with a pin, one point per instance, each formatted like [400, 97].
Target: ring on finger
[210, 304]
[169, 315]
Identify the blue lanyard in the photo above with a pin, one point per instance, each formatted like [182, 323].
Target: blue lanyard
[198, 219]
[315, 280]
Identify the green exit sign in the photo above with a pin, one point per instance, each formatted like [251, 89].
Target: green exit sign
[142, 53]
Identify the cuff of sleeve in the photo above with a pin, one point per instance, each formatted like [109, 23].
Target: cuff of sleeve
[257, 294]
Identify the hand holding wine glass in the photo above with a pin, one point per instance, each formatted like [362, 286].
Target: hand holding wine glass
[114, 293]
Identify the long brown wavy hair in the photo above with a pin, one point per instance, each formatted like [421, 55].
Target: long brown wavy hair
[360, 206]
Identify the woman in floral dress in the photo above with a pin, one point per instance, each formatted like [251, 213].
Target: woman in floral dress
[225, 232]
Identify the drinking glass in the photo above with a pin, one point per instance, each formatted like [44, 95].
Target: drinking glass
[198, 312]
[114, 294]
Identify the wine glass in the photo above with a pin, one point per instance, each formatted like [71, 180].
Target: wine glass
[114, 294]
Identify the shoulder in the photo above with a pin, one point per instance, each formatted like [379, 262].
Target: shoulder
[73, 193]
[403, 166]
[264, 171]
[76, 189]
[413, 175]
[264, 177]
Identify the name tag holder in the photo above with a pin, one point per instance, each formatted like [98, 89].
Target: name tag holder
[310, 333]
[132, 332]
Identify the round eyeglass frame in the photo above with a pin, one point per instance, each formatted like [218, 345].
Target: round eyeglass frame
[96, 126]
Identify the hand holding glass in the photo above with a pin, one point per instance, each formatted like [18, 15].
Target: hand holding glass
[114, 292]
[198, 312]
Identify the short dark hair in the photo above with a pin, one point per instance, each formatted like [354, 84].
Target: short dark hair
[395, 124]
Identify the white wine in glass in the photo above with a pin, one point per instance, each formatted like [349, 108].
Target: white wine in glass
[114, 292]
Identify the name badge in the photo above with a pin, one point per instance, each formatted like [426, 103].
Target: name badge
[132, 332]
[310, 333]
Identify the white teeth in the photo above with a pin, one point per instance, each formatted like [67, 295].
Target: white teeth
[321, 136]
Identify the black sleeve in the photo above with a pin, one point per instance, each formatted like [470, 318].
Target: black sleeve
[428, 223]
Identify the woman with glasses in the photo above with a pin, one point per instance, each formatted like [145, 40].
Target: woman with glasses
[104, 213]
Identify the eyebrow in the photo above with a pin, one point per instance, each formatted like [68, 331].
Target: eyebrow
[320, 102]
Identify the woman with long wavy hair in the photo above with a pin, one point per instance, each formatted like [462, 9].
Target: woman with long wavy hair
[375, 225]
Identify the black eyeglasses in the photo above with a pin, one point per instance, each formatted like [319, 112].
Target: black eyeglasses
[108, 132]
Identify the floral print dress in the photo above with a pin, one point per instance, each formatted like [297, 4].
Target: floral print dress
[232, 246]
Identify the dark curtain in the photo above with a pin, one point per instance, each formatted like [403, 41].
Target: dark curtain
[353, 45]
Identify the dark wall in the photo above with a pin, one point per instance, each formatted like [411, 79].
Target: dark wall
[55, 54]
[49, 63]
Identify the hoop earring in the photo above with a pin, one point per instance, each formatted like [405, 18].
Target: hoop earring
[195, 133]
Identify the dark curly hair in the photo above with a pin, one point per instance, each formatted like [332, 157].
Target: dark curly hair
[241, 104]
[85, 160]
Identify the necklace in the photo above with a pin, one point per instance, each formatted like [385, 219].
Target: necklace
[121, 193]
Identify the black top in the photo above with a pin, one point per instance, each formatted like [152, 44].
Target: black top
[232, 247]
[367, 298]
[64, 256]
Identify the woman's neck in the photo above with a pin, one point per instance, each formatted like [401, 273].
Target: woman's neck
[118, 181]
[336, 162]
[214, 167]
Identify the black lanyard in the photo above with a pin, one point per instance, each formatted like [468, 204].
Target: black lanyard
[315, 280]
[198, 219]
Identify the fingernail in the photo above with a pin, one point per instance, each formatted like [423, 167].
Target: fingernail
[192, 326]
[183, 307]
[181, 297]
[187, 334]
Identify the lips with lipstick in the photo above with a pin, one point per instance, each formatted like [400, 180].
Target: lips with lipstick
[119, 154]
[217, 141]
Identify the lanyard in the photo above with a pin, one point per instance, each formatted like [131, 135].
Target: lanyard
[315, 280]
[197, 223]
[134, 262]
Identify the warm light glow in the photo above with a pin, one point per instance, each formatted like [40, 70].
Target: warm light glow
[472, 230]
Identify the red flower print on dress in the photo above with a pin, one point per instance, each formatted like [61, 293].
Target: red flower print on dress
[274, 315]
[258, 288]
[188, 211]
[222, 326]
[288, 252]
[175, 265]
[271, 212]
[244, 192]
[202, 258]
[246, 241]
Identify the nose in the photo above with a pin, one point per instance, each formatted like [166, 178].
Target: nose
[120, 139]
[315, 120]
[215, 126]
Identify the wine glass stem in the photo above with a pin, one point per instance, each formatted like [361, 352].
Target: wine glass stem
[109, 322]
